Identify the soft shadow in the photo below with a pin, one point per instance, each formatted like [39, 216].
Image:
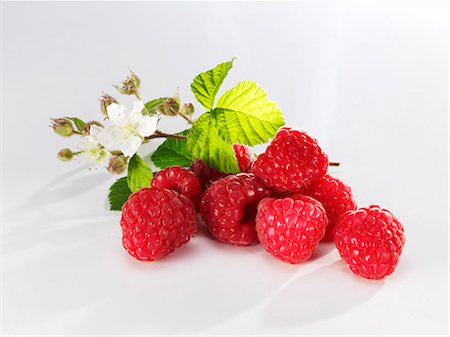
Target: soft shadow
[84, 265]
[59, 189]
[325, 293]
[322, 250]
[51, 213]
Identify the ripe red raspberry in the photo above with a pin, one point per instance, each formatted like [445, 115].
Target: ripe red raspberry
[229, 207]
[290, 228]
[292, 162]
[370, 240]
[244, 157]
[155, 222]
[180, 180]
[207, 174]
[336, 197]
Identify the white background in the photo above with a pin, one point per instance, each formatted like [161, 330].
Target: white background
[369, 80]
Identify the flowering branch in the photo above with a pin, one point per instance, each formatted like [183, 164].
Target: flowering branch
[115, 144]
[159, 134]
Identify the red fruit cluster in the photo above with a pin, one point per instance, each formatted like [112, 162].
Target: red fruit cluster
[370, 239]
[284, 199]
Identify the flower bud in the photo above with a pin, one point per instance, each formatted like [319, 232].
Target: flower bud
[62, 127]
[169, 107]
[87, 127]
[117, 164]
[187, 109]
[106, 101]
[65, 154]
[130, 85]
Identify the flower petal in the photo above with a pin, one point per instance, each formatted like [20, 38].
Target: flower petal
[111, 136]
[116, 113]
[138, 106]
[87, 142]
[147, 126]
[96, 155]
[130, 146]
[135, 114]
[95, 130]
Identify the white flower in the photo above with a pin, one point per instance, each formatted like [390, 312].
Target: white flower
[128, 128]
[91, 148]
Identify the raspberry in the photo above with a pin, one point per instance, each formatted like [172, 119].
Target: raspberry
[180, 180]
[155, 222]
[244, 157]
[229, 207]
[290, 228]
[370, 240]
[207, 174]
[336, 197]
[292, 162]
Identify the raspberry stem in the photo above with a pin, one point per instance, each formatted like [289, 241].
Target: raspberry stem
[332, 163]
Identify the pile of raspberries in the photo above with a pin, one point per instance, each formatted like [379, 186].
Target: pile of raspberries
[284, 199]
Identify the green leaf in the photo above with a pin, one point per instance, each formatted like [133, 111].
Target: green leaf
[118, 194]
[206, 85]
[79, 124]
[205, 143]
[172, 152]
[152, 105]
[245, 115]
[139, 174]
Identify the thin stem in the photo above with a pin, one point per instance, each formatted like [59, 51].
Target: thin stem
[332, 163]
[185, 117]
[159, 134]
[137, 95]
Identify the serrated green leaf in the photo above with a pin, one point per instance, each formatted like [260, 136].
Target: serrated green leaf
[118, 194]
[205, 143]
[172, 152]
[151, 106]
[79, 124]
[139, 174]
[206, 85]
[245, 115]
